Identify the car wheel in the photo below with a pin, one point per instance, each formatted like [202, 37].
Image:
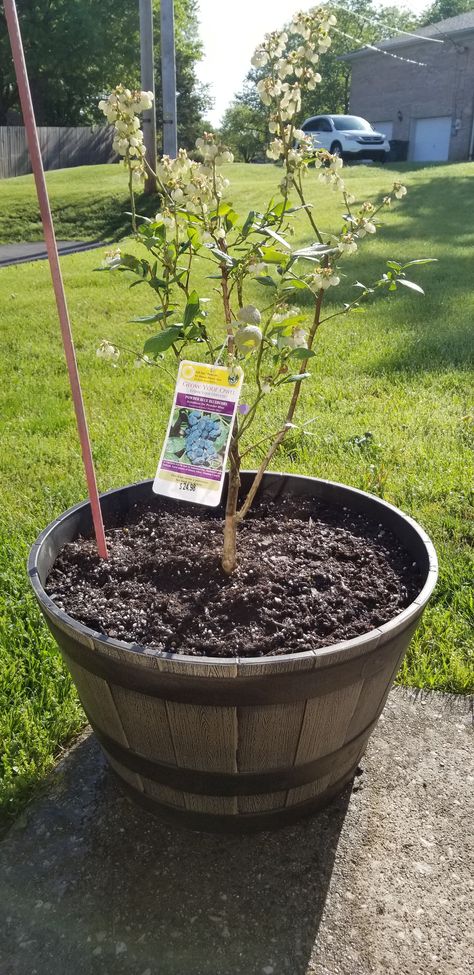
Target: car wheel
[336, 149]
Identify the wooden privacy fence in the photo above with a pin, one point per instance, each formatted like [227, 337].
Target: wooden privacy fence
[61, 147]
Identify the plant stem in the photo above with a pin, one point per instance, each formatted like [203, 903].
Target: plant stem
[280, 436]
[229, 550]
[132, 200]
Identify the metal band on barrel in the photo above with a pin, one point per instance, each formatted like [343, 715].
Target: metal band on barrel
[230, 783]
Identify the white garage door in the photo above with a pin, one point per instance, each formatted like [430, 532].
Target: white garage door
[385, 127]
[431, 142]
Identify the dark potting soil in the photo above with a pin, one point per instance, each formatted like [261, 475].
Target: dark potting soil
[308, 575]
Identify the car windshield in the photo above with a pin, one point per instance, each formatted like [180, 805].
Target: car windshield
[342, 122]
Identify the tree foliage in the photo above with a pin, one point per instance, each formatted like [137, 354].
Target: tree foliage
[361, 22]
[442, 9]
[244, 129]
[77, 49]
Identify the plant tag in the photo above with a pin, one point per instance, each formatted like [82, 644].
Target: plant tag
[193, 459]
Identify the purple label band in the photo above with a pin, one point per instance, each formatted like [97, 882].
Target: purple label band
[206, 403]
[190, 470]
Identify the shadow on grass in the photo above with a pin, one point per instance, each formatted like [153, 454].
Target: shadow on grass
[124, 889]
[106, 219]
[435, 330]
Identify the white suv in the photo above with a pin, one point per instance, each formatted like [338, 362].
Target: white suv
[348, 136]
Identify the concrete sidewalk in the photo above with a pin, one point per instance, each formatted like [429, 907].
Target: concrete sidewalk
[380, 883]
[22, 253]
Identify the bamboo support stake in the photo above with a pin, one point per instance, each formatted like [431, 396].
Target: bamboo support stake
[58, 285]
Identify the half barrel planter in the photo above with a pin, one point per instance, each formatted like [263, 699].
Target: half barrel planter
[234, 743]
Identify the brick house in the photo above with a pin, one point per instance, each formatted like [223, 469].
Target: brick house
[429, 107]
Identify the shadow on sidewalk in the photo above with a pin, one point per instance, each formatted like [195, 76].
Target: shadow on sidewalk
[91, 884]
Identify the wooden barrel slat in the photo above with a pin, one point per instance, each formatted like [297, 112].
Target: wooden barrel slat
[260, 804]
[211, 805]
[96, 698]
[233, 743]
[134, 780]
[268, 736]
[145, 723]
[203, 737]
[163, 793]
[324, 730]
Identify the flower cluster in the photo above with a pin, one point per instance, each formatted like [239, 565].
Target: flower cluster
[291, 67]
[347, 244]
[107, 351]
[323, 278]
[296, 339]
[112, 258]
[399, 190]
[191, 185]
[121, 109]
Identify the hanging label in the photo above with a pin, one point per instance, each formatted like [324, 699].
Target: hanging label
[193, 459]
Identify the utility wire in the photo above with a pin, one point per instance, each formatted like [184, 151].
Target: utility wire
[421, 64]
[398, 30]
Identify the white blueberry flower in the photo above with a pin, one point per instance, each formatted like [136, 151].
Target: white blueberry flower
[297, 339]
[347, 244]
[275, 149]
[112, 258]
[260, 58]
[107, 351]
[323, 278]
[250, 315]
[365, 226]
[399, 190]
[248, 338]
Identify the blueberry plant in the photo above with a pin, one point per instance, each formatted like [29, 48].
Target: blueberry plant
[273, 340]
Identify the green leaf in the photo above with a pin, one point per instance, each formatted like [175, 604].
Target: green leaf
[271, 256]
[411, 285]
[194, 331]
[277, 237]
[421, 260]
[294, 284]
[314, 252]
[295, 379]
[302, 354]
[148, 319]
[226, 258]
[222, 210]
[193, 236]
[158, 284]
[192, 308]
[266, 279]
[394, 265]
[176, 445]
[248, 223]
[163, 341]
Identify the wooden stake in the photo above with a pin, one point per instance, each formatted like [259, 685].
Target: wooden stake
[51, 246]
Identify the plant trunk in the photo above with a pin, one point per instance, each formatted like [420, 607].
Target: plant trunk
[229, 551]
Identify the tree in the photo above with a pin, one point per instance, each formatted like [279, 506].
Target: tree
[361, 22]
[244, 130]
[76, 50]
[443, 9]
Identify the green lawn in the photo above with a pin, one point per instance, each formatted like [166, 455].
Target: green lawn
[400, 372]
[88, 203]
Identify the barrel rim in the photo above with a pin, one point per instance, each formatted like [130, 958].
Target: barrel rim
[393, 626]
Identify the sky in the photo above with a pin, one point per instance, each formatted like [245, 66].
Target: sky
[230, 32]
